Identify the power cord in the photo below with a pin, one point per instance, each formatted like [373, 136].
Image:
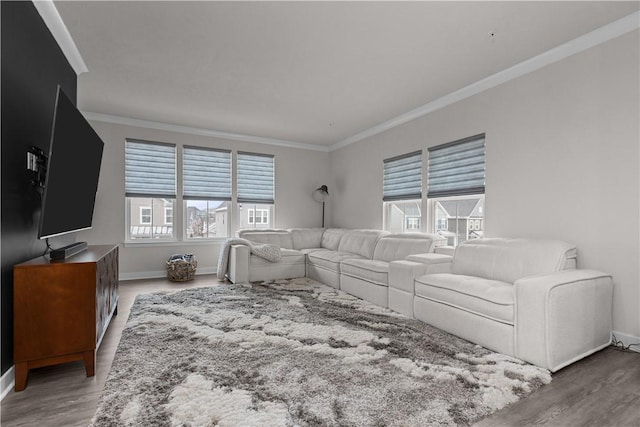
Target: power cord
[619, 345]
[49, 248]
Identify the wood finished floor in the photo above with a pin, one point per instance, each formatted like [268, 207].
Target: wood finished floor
[601, 390]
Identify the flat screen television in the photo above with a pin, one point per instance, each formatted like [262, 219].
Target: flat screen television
[73, 169]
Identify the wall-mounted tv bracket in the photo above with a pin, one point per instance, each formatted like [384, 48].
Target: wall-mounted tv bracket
[37, 166]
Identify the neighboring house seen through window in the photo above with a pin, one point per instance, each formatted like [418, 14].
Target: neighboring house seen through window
[459, 218]
[206, 219]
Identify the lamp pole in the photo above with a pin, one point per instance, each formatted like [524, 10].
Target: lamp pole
[320, 195]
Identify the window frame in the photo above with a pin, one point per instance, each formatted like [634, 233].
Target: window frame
[245, 196]
[402, 182]
[230, 222]
[142, 215]
[446, 163]
[193, 190]
[155, 158]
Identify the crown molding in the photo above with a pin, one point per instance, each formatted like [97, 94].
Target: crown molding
[601, 35]
[52, 19]
[128, 121]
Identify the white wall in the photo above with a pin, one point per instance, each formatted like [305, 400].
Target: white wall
[562, 162]
[298, 173]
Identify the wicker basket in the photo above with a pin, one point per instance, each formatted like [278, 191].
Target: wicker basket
[182, 267]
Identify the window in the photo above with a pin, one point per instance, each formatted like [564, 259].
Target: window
[258, 216]
[145, 215]
[412, 223]
[253, 215]
[256, 185]
[150, 185]
[456, 185]
[459, 218]
[206, 219]
[402, 192]
[206, 181]
[168, 215]
[404, 215]
[151, 223]
[204, 188]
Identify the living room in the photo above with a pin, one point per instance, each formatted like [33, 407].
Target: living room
[559, 115]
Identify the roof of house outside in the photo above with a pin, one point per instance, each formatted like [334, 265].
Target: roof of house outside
[466, 207]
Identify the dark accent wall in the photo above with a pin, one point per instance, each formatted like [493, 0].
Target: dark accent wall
[32, 67]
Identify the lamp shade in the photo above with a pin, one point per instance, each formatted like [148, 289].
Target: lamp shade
[321, 194]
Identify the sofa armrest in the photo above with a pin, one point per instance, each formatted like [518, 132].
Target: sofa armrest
[402, 274]
[238, 264]
[436, 263]
[445, 250]
[562, 317]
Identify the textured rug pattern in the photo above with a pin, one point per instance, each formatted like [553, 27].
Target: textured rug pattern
[298, 353]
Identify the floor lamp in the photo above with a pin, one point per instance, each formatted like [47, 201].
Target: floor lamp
[321, 195]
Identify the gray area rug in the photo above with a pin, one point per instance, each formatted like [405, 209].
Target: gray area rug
[298, 353]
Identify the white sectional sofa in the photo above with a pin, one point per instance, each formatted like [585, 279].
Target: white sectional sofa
[520, 297]
[246, 267]
[369, 278]
[354, 260]
[337, 246]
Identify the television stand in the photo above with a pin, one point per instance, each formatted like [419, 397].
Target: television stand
[61, 309]
[68, 251]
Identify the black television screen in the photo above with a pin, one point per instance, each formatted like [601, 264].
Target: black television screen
[72, 172]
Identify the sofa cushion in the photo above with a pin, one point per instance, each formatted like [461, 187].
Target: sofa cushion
[289, 256]
[281, 238]
[309, 250]
[360, 242]
[431, 258]
[489, 298]
[306, 238]
[508, 260]
[330, 259]
[331, 238]
[368, 269]
[395, 247]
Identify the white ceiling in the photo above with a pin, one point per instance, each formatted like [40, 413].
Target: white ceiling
[308, 72]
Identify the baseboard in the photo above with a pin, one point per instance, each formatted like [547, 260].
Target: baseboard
[627, 340]
[7, 382]
[160, 274]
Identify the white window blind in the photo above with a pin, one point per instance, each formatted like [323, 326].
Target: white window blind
[402, 178]
[256, 178]
[457, 168]
[206, 174]
[150, 169]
